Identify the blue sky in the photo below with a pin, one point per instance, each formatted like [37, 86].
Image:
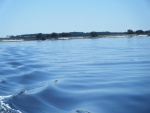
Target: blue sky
[47, 16]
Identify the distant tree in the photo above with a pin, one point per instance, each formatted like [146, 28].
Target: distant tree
[47, 36]
[130, 31]
[139, 32]
[147, 32]
[40, 36]
[11, 36]
[54, 35]
[94, 34]
[64, 35]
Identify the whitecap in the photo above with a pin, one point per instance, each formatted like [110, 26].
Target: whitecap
[5, 97]
[5, 108]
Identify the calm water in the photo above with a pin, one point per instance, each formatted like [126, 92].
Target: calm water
[105, 75]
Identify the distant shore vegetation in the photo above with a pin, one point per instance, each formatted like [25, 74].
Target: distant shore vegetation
[93, 34]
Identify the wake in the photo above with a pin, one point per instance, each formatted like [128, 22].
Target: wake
[5, 108]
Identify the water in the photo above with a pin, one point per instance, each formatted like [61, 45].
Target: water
[105, 75]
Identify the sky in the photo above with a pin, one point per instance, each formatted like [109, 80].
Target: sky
[46, 16]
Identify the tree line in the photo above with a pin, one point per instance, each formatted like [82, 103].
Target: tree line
[138, 32]
[41, 36]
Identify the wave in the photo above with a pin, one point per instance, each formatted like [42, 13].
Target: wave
[5, 108]
[75, 76]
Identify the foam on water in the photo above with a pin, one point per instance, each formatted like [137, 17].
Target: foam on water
[5, 108]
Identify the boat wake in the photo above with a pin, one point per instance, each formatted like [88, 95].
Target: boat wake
[105, 75]
[5, 108]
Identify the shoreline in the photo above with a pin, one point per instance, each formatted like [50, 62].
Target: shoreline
[67, 38]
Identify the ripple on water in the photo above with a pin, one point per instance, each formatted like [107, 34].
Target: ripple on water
[75, 76]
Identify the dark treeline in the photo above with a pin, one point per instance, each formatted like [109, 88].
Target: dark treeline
[138, 32]
[40, 36]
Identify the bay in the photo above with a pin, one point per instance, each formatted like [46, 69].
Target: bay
[101, 75]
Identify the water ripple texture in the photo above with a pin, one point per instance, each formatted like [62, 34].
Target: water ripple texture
[105, 75]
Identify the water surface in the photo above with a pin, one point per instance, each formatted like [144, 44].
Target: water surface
[104, 75]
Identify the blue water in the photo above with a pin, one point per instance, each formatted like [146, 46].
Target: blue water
[104, 75]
